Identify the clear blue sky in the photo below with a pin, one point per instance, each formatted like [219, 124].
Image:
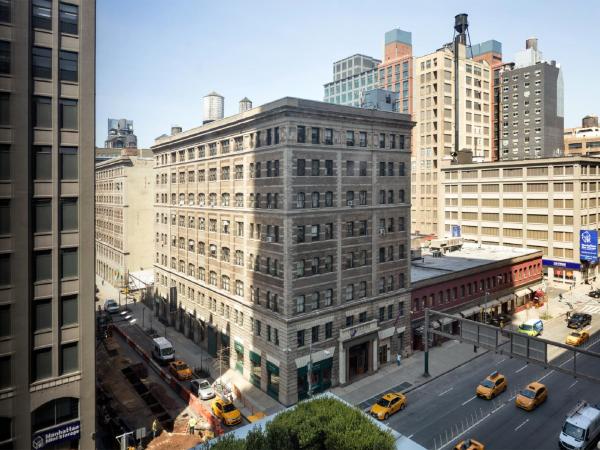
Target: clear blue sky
[157, 58]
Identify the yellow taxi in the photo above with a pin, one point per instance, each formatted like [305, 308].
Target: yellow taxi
[387, 405]
[576, 338]
[493, 385]
[532, 396]
[469, 444]
[226, 411]
[180, 370]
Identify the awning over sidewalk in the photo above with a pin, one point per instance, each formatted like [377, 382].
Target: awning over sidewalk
[490, 304]
[506, 298]
[470, 311]
[522, 292]
[316, 357]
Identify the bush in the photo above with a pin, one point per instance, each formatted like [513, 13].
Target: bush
[320, 424]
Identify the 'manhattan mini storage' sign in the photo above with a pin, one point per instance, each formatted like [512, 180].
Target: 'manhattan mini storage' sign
[53, 436]
[588, 245]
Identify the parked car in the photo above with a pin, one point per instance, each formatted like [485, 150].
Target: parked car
[202, 389]
[579, 320]
[387, 405]
[226, 411]
[180, 370]
[595, 293]
[111, 306]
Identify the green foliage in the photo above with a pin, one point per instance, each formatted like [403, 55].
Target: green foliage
[318, 424]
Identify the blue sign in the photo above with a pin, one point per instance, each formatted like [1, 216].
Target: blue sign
[588, 245]
[56, 435]
[561, 264]
[455, 230]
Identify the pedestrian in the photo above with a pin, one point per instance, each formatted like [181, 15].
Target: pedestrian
[154, 428]
[398, 358]
[192, 425]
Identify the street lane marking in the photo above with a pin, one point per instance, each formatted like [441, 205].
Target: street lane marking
[522, 368]
[572, 384]
[445, 392]
[502, 360]
[471, 399]
[526, 420]
[410, 436]
[548, 374]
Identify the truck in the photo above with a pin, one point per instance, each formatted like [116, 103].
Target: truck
[162, 350]
[581, 429]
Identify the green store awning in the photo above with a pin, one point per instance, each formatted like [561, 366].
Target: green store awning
[238, 347]
[254, 357]
[272, 368]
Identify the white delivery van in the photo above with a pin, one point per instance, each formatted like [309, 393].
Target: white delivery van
[162, 350]
[581, 428]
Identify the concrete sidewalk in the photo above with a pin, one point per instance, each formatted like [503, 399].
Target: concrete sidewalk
[409, 375]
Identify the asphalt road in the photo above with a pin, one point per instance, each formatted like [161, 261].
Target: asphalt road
[445, 411]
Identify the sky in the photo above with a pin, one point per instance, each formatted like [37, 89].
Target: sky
[156, 59]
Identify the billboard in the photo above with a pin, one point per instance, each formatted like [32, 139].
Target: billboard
[56, 435]
[588, 245]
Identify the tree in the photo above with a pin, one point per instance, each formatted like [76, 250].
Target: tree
[321, 424]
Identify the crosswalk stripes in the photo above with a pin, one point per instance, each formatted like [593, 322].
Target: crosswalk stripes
[590, 309]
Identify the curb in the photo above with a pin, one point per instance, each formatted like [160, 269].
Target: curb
[432, 378]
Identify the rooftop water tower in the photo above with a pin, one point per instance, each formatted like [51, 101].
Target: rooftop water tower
[213, 107]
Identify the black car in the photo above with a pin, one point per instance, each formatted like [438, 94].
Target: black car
[595, 293]
[579, 320]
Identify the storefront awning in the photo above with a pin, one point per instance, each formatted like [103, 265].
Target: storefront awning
[506, 298]
[490, 304]
[389, 332]
[470, 311]
[522, 292]
[317, 356]
[446, 320]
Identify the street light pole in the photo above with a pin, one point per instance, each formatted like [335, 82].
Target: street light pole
[426, 345]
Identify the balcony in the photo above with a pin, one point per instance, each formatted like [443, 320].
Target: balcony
[358, 330]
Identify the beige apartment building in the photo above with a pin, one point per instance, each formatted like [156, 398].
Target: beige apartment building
[542, 204]
[583, 140]
[124, 217]
[434, 106]
[282, 237]
[47, 91]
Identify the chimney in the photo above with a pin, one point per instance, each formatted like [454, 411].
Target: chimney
[176, 129]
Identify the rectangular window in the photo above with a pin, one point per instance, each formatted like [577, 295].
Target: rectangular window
[4, 161]
[42, 315]
[4, 57]
[69, 310]
[362, 138]
[41, 62]
[42, 162]
[68, 114]
[42, 110]
[68, 214]
[328, 136]
[42, 215]
[42, 364]
[5, 270]
[67, 65]
[69, 263]
[350, 138]
[4, 216]
[42, 14]
[329, 167]
[4, 108]
[68, 18]
[328, 330]
[69, 358]
[301, 134]
[5, 11]
[69, 163]
[315, 333]
[381, 140]
[5, 321]
[315, 135]
[300, 338]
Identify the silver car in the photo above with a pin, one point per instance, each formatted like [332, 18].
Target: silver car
[202, 389]
[111, 306]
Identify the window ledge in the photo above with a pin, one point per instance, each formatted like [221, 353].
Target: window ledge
[71, 278]
[42, 282]
[70, 326]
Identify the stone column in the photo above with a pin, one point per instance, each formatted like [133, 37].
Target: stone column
[375, 354]
[342, 364]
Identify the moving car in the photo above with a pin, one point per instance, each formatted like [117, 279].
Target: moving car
[595, 293]
[226, 411]
[387, 405]
[180, 370]
[111, 306]
[202, 389]
[493, 385]
[469, 444]
[532, 396]
[579, 320]
[581, 428]
[500, 320]
[576, 338]
[532, 327]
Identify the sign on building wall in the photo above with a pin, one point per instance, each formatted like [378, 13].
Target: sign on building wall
[54, 436]
[588, 245]
[561, 264]
[455, 230]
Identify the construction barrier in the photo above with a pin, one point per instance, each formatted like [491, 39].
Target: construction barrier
[192, 401]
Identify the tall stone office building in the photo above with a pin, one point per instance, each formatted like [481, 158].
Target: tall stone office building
[283, 236]
[47, 83]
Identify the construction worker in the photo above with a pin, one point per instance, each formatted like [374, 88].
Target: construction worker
[192, 425]
[154, 428]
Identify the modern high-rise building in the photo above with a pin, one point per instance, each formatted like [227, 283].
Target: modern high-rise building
[531, 113]
[120, 134]
[283, 239]
[434, 110]
[124, 213]
[395, 72]
[548, 204]
[352, 77]
[47, 324]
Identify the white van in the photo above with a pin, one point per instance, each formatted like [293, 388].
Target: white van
[162, 350]
[581, 428]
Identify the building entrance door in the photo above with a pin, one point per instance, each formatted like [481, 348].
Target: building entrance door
[358, 360]
[383, 352]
